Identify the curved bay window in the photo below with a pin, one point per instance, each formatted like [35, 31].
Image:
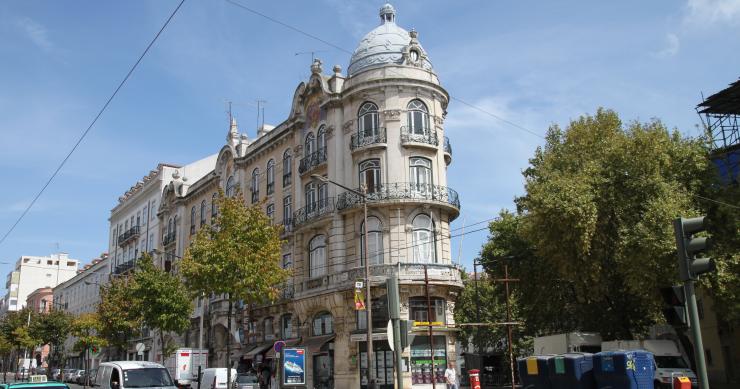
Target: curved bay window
[367, 120]
[287, 168]
[370, 175]
[255, 184]
[317, 256]
[192, 220]
[323, 324]
[202, 213]
[418, 118]
[423, 239]
[420, 173]
[230, 186]
[374, 241]
[270, 176]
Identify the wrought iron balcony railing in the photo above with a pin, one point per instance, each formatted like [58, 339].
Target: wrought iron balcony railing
[169, 238]
[419, 135]
[313, 211]
[128, 235]
[447, 146]
[124, 267]
[367, 138]
[401, 191]
[312, 160]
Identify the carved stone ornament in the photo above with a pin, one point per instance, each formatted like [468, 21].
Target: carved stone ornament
[438, 120]
[329, 131]
[348, 126]
[392, 114]
[450, 307]
[298, 150]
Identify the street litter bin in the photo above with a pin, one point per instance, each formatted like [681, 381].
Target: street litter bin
[533, 372]
[572, 371]
[632, 369]
[474, 375]
[681, 383]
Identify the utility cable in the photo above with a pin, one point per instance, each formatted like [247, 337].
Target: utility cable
[84, 133]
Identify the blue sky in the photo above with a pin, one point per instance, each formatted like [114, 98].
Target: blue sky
[533, 63]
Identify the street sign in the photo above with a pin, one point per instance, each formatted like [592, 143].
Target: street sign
[278, 346]
[389, 331]
[294, 366]
[140, 348]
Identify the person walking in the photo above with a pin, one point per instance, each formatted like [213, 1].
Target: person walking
[451, 376]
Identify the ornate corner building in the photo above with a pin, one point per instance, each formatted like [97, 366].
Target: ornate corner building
[379, 128]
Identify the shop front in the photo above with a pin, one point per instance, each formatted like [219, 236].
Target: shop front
[428, 365]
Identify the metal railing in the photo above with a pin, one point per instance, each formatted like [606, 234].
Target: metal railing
[363, 139]
[447, 146]
[124, 267]
[169, 238]
[423, 135]
[313, 211]
[312, 160]
[401, 191]
[128, 235]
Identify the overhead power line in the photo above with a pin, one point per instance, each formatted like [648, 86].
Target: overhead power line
[84, 133]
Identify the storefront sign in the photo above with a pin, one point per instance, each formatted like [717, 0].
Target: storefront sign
[427, 324]
[294, 366]
[363, 337]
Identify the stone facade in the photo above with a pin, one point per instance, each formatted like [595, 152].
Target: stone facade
[379, 129]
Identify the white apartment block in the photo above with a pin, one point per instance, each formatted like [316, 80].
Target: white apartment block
[134, 224]
[32, 273]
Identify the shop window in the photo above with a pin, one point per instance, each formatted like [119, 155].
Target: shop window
[418, 310]
[422, 357]
[380, 314]
[323, 324]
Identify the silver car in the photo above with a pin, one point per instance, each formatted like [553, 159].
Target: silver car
[246, 381]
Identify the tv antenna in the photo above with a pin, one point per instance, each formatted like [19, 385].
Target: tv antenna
[313, 53]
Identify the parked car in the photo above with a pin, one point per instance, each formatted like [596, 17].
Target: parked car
[69, 374]
[55, 374]
[135, 374]
[247, 381]
[90, 376]
[78, 377]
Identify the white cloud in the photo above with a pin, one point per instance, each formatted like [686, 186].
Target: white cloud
[36, 33]
[704, 12]
[673, 44]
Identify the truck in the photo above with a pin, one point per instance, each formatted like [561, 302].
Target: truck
[669, 361]
[586, 342]
[183, 366]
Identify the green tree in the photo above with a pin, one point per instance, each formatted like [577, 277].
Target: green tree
[52, 328]
[238, 256]
[163, 300]
[594, 226]
[118, 313]
[86, 328]
[5, 348]
[14, 326]
[481, 302]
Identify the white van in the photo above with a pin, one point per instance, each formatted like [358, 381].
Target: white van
[133, 374]
[215, 378]
[669, 362]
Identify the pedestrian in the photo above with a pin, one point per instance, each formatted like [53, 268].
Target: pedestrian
[264, 377]
[451, 376]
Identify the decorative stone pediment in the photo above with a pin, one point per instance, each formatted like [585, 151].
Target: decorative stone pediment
[392, 114]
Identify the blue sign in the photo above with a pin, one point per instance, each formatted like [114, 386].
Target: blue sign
[294, 366]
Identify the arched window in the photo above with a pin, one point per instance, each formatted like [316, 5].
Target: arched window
[317, 256]
[420, 173]
[374, 241]
[270, 176]
[287, 168]
[230, 186]
[255, 187]
[424, 239]
[214, 206]
[310, 144]
[169, 226]
[321, 139]
[367, 119]
[286, 326]
[202, 213]
[192, 220]
[418, 118]
[370, 175]
[323, 324]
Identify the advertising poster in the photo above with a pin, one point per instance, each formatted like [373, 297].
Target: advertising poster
[294, 366]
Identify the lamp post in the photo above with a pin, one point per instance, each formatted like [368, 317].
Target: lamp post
[368, 298]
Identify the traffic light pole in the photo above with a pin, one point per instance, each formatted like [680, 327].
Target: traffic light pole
[701, 366]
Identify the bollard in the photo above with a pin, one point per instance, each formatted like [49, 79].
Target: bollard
[474, 375]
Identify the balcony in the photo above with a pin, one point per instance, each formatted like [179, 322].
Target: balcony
[447, 150]
[368, 140]
[129, 235]
[425, 137]
[313, 211]
[169, 238]
[287, 292]
[124, 267]
[312, 161]
[402, 192]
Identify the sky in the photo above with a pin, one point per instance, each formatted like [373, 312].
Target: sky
[530, 63]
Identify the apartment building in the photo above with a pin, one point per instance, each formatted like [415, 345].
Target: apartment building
[32, 273]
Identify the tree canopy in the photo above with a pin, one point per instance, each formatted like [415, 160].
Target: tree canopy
[119, 321]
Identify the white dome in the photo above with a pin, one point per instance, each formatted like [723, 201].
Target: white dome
[385, 44]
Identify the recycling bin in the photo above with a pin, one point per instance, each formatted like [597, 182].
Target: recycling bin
[632, 369]
[571, 371]
[533, 372]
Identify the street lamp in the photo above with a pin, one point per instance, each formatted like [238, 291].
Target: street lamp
[368, 298]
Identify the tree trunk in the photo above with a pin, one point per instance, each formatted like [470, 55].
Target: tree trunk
[228, 345]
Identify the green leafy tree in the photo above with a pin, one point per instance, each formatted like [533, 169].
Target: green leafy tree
[52, 328]
[86, 328]
[118, 313]
[481, 302]
[14, 327]
[5, 348]
[594, 227]
[238, 256]
[164, 302]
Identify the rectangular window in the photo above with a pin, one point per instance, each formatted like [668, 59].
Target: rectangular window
[287, 211]
[418, 310]
[154, 209]
[287, 327]
[145, 212]
[271, 213]
[311, 196]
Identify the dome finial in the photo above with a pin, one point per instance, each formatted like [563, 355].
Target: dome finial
[387, 14]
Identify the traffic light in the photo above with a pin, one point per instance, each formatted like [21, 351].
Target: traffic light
[689, 246]
[406, 327]
[675, 311]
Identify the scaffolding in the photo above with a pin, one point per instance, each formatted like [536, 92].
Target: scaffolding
[720, 114]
